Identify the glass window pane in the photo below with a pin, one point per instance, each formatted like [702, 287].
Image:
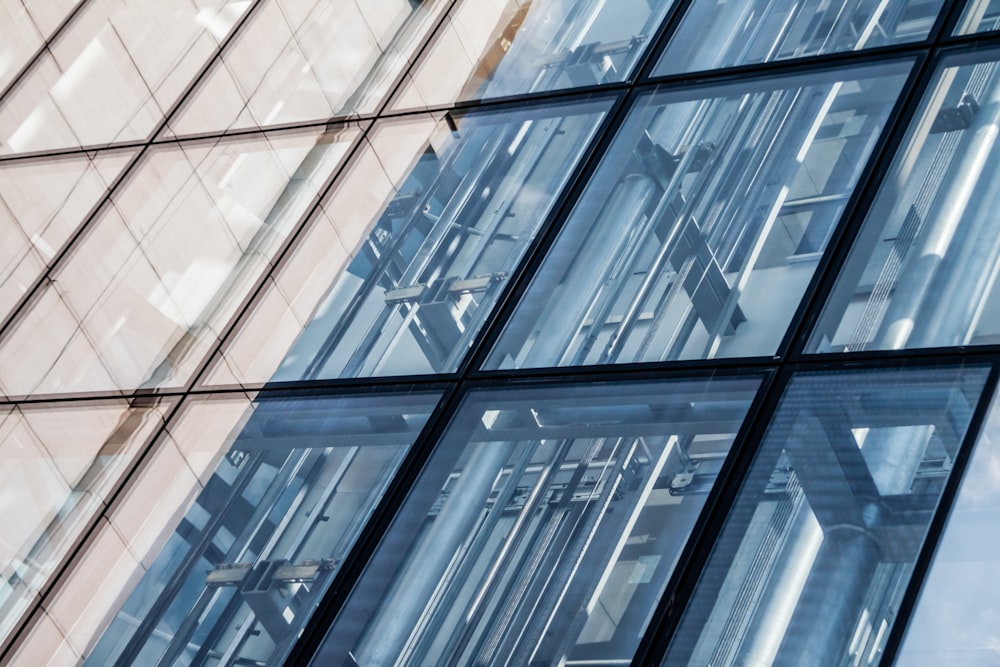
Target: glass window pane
[301, 60]
[42, 202]
[143, 295]
[744, 32]
[545, 527]
[955, 620]
[922, 272]
[495, 48]
[258, 504]
[818, 549]
[24, 27]
[979, 16]
[58, 462]
[704, 223]
[112, 74]
[400, 269]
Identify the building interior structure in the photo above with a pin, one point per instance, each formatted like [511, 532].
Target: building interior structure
[499, 332]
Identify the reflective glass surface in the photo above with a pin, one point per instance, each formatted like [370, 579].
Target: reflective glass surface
[112, 74]
[24, 27]
[955, 621]
[923, 270]
[704, 223]
[979, 16]
[42, 202]
[404, 262]
[234, 561]
[58, 462]
[515, 332]
[816, 553]
[495, 48]
[744, 32]
[544, 528]
[303, 60]
[160, 271]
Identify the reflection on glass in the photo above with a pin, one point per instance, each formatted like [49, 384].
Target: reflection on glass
[923, 270]
[24, 26]
[754, 31]
[414, 247]
[113, 73]
[57, 464]
[306, 59]
[42, 202]
[815, 556]
[494, 48]
[979, 16]
[545, 527]
[239, 575]
[145, 292]
[955, 620]
[704, 223]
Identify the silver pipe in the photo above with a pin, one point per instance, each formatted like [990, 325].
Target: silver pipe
[776, 605]
[933, 304]
[944, 219]
[596, 258]
[403, 606]
[832, 599]
[968, 271]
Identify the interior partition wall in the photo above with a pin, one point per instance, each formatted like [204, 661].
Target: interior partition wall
[465, 332]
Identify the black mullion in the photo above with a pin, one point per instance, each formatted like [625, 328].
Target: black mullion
[346, 578]
[713, 518]
[56, 153]
[946, 20]
[700, 543]
[530, 265]
[547, 233]
[939, 523]
[722, 364]
[835, 260]
[643, 70]
[849, 225]
[40, 53]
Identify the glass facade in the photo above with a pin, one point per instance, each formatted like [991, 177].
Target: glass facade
[476, 332]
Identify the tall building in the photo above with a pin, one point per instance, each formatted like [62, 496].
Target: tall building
[499, 332]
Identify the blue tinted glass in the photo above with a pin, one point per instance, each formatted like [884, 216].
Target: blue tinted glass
[753, 31]
[923, 270]
[815, 555]
[495, 48]
[704, 223]
[955, 620]
[545, 527]
[979, 16]
[251, 558]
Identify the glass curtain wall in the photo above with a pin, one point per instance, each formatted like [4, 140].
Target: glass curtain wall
[545, 527]
[954, 618]
[820, 543]
[923, 271]
[703, 224]
[498, 332]
[267, 532]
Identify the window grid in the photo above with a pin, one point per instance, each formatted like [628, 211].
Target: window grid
[789, 359]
